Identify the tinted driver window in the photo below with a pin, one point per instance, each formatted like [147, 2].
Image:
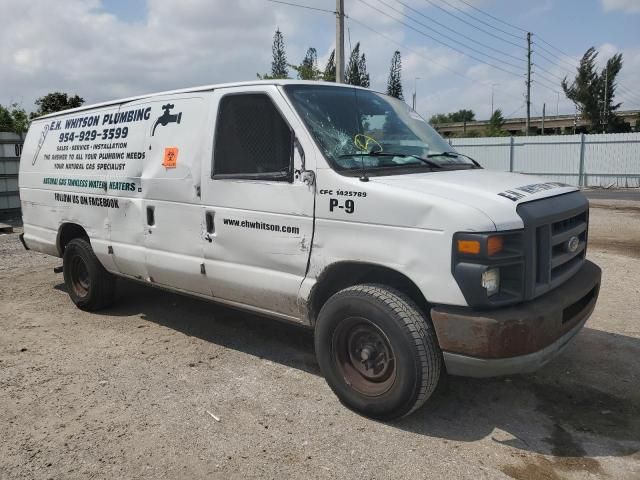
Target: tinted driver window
[252, 138]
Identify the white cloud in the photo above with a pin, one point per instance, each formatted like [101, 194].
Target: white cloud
[77, 46]
[627, 6]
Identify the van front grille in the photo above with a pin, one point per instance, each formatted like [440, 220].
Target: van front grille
[556, 231]
[563, 243]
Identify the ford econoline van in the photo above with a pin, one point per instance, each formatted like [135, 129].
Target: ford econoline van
[328, 205]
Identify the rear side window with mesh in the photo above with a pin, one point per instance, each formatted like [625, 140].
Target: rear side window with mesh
[252, 139]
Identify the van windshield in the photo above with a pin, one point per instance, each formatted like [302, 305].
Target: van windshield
[358, 128]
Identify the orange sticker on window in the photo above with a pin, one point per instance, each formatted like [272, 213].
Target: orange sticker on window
[170, 157]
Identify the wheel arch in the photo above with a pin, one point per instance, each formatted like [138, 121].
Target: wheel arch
[67, 232]
[340, 275]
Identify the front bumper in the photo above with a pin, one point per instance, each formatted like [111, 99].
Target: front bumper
[516, 339]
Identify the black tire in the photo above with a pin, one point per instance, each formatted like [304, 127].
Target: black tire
[89, 285]
[377, 351]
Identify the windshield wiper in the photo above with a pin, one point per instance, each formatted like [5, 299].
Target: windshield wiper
[390, 154]
[454, 155]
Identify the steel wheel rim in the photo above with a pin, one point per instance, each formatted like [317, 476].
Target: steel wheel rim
[79, 277]
[364, 357]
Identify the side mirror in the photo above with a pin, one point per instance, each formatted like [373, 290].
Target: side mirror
[308, 177]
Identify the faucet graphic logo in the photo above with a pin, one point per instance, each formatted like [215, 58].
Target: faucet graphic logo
[166, 118]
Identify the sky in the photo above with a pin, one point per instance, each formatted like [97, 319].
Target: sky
[107, 49]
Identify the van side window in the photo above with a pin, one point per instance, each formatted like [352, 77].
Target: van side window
[252, 139]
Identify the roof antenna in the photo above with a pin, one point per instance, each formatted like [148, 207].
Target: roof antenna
[363, 176]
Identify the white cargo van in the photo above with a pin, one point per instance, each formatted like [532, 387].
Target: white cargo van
[333, 206]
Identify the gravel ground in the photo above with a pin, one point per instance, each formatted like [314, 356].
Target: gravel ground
[127, 393]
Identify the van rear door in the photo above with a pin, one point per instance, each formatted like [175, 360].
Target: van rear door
[259, 213]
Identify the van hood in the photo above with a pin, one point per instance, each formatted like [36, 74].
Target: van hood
[497, 194]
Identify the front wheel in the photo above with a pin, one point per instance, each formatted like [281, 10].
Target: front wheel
[377, 351]
[89, 285]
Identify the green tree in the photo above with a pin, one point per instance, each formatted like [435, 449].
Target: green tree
[279, 63]
[589, 89]
[365, 81]
[394, 83]
[329, 74]
[308, 69]
[13, 119]
[440, 118]
[6, 121]
[352, 75]
[56, 102]
[20, 119]
[496, 122]
[463, 116]
[453, 117]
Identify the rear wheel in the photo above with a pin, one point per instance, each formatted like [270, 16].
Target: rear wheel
[89, 285]
[377, 351]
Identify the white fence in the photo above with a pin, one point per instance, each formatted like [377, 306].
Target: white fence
[582, 160]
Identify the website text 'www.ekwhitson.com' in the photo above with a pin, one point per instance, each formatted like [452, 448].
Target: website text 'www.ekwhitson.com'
[255, 225]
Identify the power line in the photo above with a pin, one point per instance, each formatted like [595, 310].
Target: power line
[302, 6]
[552, 46]
[623, 91]
[567, 62]
[546, 71]
[545, 85]
[440, 41]
[409, 26]
[471, 24]
[627, 92]
[479, 20]
[457, 33]
[621, 88]
[515, 111]
[551, 62]
[549, 84]
[419, 54]
[491, 16]
[453, 39]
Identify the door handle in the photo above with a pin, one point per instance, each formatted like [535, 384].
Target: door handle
[211, 227]
[151, 217]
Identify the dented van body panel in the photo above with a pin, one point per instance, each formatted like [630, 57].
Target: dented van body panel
[163, 189]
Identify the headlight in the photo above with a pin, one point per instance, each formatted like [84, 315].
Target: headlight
[491, 281]
[489, 267]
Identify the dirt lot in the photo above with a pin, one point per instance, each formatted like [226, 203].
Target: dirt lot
[125, 393]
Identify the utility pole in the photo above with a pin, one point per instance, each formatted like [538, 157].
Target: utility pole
[528, 124]
[605, 110]
[544, 106]
[415, 91]
[492, 98]
[339, 41]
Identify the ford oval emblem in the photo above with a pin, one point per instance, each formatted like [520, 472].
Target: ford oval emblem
[572, 244]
